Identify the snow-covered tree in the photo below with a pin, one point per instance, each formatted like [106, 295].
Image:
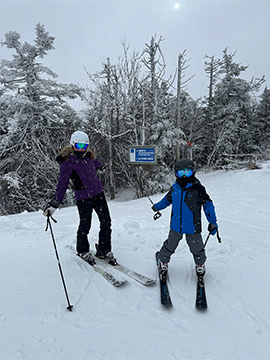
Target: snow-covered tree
[181, 142]
[35, 122]
[261, 124]
[231, 109]
[130, 107]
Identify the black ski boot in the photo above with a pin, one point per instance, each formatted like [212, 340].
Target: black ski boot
[107, 256]
[162, 267]
[87, 256]
[163, 274]
[200, 270]
[201, 303]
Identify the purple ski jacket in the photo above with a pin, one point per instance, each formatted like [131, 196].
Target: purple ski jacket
[81, 171]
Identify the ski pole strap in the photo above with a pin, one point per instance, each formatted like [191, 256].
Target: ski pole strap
[48, 221]
[218, 237]
[157, 215]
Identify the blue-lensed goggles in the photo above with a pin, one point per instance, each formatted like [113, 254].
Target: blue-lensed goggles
[184, 172]
[81, 146]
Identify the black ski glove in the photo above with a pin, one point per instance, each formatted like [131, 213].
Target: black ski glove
[50, 207]
[212, 228]
[157, 213]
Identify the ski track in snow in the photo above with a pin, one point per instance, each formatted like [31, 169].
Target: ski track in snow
[128, 322]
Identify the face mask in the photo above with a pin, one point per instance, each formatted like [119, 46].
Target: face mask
[184, 181]
[79, 154]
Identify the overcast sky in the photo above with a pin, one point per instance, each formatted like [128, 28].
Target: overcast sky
[87, 32]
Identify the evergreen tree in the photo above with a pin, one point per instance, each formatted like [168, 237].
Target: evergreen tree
[181, 143]
[35, 122]
[158, 117]
[232, 105]
[193, 124]
[208, 132]
[261, 124]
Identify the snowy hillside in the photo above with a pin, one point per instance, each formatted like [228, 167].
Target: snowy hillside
[128, 323]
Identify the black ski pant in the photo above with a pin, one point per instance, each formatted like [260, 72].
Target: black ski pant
[194, 242]
[85, 209]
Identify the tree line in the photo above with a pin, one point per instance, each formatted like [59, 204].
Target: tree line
[127, 103]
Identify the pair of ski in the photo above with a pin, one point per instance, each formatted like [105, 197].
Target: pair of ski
[113, 279]
[201, 303]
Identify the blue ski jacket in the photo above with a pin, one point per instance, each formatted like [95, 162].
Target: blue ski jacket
[186, 207]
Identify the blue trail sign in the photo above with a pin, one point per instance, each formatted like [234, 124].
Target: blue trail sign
[142, 155]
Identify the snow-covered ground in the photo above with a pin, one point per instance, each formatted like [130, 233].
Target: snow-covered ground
[128, 323]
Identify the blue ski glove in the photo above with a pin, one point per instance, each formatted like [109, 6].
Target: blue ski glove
[212, 228]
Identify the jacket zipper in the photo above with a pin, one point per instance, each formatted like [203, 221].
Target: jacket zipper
[181, 215]
[85, 166]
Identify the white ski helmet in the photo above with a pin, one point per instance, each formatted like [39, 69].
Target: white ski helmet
[79, 137]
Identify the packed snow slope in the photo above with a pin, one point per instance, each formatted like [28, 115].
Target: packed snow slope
[129, 323]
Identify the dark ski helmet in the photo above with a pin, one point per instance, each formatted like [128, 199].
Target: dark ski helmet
[185, 164]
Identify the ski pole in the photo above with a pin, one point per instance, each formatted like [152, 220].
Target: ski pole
[206, 240]
[58, 260]
[218, 237]
[158, 213]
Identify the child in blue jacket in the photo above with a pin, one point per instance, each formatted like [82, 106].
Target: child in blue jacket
[187, 196]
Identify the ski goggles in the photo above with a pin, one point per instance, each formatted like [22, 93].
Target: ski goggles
[81, 146]
[184, 172]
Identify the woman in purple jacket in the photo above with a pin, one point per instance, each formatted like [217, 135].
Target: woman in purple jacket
[78, 164]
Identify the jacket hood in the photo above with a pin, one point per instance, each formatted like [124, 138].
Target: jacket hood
[69, 150]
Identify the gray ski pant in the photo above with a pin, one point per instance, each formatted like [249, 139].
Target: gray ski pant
[194, 242]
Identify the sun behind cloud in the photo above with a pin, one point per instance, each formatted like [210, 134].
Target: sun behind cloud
[176, 6]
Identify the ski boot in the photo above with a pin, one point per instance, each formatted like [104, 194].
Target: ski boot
[162, 267]
[200, 270]
[107, 256]
[87, 256]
